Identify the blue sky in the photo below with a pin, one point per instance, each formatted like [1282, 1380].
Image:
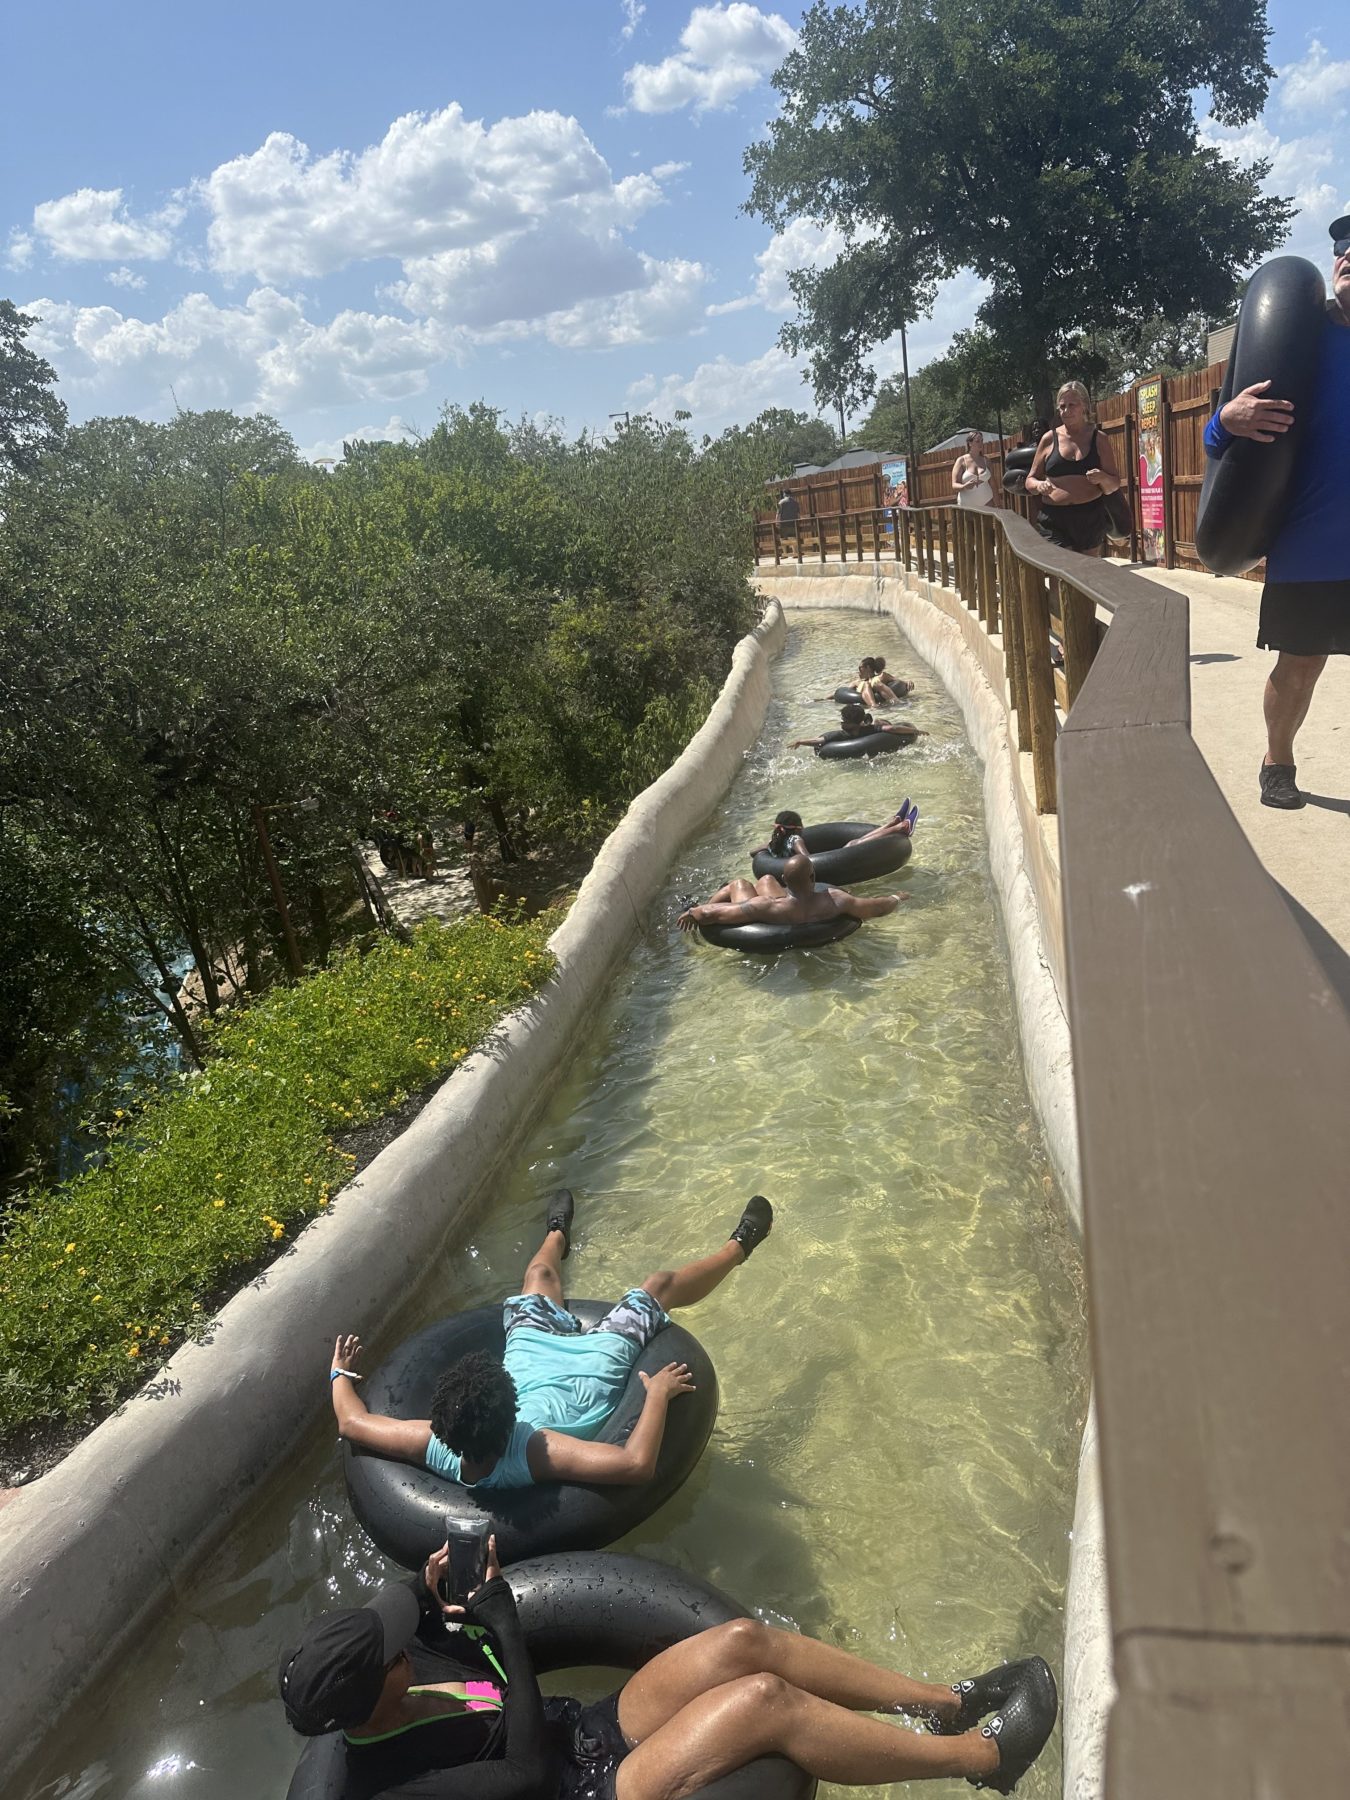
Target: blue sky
[346, 215]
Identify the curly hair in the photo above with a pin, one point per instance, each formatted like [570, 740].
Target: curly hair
[474, 1406]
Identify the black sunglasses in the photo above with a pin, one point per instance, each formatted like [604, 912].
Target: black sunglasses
[1340, 247]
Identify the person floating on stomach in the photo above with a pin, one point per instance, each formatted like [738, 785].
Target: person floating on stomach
[530, 1416]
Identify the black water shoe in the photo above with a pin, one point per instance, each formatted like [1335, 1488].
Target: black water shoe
[756, 1223]
[561, 1206]
[983, 1694]
[1021, 1728]
[1278, 787]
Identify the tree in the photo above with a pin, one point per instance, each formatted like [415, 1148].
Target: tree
[32, 419]
[1049, 145]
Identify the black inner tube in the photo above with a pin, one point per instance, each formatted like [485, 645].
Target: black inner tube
[837, 856]
[1279, 339]
[404, 1507]
[580, 1611]
[769, 940]
[870, 743]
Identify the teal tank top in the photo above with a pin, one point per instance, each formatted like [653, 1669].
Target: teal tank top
[511, 1470]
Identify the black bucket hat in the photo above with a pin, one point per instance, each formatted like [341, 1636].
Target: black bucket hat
[332, 1679]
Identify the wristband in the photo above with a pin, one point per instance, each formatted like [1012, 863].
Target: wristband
[351, 1375]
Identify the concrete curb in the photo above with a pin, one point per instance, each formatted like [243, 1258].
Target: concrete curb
[939, 627]
[89, 1550]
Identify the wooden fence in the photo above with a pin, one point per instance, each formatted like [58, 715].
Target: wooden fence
[1211, 1063]
[1187, 402]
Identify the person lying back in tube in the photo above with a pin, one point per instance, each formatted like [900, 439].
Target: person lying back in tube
[857, 722]
[787, 824]
[882, 683]
[459, 1716]
[529, 1416]
[795, 900]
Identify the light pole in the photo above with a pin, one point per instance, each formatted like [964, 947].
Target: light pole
[260, 813]
[621, 415]
[913, 474]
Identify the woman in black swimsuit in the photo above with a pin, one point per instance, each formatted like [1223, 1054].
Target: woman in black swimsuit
[1074, 467]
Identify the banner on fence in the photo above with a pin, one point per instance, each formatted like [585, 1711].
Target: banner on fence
[1152, 513]
[895, 475]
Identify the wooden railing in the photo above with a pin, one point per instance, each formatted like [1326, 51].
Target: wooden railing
[1211, 1063]
[1022, 595]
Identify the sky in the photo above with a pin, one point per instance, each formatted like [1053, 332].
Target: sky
[346, 216]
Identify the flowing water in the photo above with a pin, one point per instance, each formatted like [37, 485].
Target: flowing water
[903, 1364]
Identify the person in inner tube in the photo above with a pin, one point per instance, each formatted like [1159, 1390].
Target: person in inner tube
[1305, 603]
[883, 684]
[795, 900]
[857, 722]
[530, 1415]
[457, 1714]
[787, 826]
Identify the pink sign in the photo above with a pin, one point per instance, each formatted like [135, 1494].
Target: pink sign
[1152, 514]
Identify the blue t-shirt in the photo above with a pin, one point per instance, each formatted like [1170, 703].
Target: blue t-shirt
[564, 1382]
[1313, 542]
[511, 1469]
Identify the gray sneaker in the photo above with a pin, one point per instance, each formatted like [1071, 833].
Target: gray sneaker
[1278, 787]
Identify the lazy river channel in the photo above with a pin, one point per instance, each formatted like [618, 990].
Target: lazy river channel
[903, 1364]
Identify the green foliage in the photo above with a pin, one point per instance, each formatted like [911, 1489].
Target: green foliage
[1050, 146]
[32, 419]
[102, 1277]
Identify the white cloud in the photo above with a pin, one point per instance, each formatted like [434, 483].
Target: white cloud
[667, 304]
[1312, 83]
[725, 50]
[395, 430]
[262, 354]
[126, 278]
[664, 171]
[19, 249]
[721, 392]
[435, 182]
[1313, 170]
[632, 12]
[93, 225]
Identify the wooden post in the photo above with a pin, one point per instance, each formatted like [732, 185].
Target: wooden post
[797, 538]
[1014, 662]
[944, 572]
[1081, 636]
[1040, 678]
[990, 535]
[1132, 480]
[777, 543]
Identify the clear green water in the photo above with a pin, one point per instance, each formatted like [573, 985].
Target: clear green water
[903, 1364]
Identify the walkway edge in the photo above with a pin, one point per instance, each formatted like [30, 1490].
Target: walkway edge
[941, 639]
[88, 1551]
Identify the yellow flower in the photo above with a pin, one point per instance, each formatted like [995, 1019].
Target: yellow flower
[69, 1248]
[97, 1298]
[217, 1204]
[135, 1350]
[118, 1113]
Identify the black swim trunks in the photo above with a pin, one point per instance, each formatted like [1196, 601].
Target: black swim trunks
[1081, 528]
[592, 1745]
[1305, 618]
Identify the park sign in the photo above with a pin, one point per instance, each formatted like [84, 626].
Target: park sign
[1152, 512]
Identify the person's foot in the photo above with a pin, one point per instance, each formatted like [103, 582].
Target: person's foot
[902, 815]
[756, 1223]
[982, 1694]
[1021, 1728]
[561, 1206]
[1278, 787]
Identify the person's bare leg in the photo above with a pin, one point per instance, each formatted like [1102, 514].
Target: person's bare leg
[739, 890]
[696, 1280]
[760, 1715]
[768, 887]
[745, 1647]
[543, 1272]
[1289, 692]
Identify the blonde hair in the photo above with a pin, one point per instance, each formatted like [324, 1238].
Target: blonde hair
[1078, 391]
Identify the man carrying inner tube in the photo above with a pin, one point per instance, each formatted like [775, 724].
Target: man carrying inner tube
[443, 1717]
[1305, 604]
[529, 1417]
[858, 722]
[795, 900]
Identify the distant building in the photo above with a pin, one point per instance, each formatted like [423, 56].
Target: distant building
[957, 441]
[1220, 346]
